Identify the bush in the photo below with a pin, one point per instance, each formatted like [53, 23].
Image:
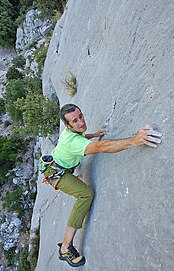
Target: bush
[33, 255]
[48, 8]
[2, 106]
[7, 25]
[40, 116]
[23, 261]
[13, 73]
[13, 201]
[9, 149]
[70, 84]
[40, 56]
[15, 89]
[19, 61]
[10, 256]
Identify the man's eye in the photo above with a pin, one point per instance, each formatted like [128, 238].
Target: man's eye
[74, 121]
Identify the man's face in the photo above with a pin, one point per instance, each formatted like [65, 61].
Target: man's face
[76, 121]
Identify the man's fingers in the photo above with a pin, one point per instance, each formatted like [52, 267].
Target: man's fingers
[150, 144]
[153, 139]
[154, 133]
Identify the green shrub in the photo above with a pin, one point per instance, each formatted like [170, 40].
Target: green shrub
[4, 169]
[48, 8]
[13, 201]
[9, 150]
[70, 84]
[2, 106]
[13, 73]
[10, 256]
[19, 61]
[7, 24]
[33, 255]
[24, 264]
[34, 84]
[40, 116]
[15, 89]
[40, 56]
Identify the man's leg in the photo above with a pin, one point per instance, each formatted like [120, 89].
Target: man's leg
[73, 186]
[68, 239]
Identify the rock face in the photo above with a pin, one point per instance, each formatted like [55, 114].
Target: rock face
[121, 53]
[6, 56]
[31, 30]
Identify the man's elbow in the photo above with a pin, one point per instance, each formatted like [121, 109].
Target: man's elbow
[94, 147]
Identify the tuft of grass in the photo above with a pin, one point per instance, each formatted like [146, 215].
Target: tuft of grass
[70, 83]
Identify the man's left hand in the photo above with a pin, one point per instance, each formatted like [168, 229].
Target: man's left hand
[100, 133]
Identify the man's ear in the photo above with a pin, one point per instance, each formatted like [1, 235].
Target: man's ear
[68, 126]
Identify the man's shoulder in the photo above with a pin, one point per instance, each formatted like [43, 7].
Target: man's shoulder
[68, 135]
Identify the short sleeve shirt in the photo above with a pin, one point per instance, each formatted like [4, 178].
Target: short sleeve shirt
[70, 148]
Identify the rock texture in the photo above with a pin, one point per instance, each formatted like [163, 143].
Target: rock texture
[31, 30]
[121, 53]
[6, 56]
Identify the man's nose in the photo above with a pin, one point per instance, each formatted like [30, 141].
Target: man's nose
[81, 122]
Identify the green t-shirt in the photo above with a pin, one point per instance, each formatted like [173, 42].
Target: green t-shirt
[70, 148]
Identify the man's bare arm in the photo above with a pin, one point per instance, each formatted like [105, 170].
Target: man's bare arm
[143, 137]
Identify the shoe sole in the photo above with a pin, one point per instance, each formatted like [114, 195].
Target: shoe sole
[82, 261]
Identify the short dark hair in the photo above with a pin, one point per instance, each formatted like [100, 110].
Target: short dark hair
[67, 108]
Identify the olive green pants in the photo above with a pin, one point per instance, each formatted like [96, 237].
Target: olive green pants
[84, 195]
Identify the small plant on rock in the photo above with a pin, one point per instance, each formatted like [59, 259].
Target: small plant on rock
[70, 84]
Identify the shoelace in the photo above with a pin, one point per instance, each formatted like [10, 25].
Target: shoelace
[73, 253]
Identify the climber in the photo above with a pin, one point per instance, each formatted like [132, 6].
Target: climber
[72, 146]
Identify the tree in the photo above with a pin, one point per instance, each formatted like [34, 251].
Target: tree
[40, 116]
[7, 24]
[15, 89]
[14, 73]
[19, 61]
[13, 202]
[2, 106]
[48, 8]
[9, 148]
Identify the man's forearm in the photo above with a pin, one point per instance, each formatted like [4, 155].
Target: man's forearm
[116, 145]
[110, 145]
[89, 136]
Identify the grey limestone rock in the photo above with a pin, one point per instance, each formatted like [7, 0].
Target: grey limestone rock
[121, 53]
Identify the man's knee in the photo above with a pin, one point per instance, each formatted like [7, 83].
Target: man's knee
[90, 194]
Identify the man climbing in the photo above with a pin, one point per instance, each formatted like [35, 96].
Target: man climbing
[72, 146]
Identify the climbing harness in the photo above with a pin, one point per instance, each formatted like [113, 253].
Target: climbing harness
[52, 171]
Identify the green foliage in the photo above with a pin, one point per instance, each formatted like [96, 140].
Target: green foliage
[9, 149]
[34, 84]
[7, 25]
[40, 116]
[19, 61]
[13, 202]
[70, 84]
[3, 172]
[13, 73]
[33, 255]
[40, 56]
[7, 30]
[15, 89]
[2, 106]
[48, 8]
[23, 261]
[24, 6]
[9, 255]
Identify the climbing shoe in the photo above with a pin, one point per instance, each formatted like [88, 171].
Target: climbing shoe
[71, 256]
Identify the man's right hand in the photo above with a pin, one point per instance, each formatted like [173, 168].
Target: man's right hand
[147, 136]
